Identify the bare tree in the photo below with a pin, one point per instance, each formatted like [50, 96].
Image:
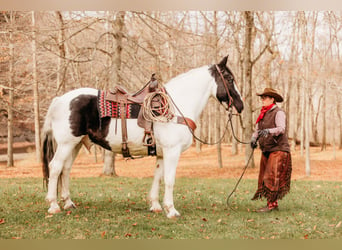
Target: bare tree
[11, 73]
[249, 62]
[305, 131]
[35, 90]
[115, 78]
[61, 69]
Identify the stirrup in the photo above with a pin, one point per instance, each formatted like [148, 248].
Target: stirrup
[148, 139]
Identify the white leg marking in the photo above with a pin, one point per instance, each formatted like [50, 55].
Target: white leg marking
[171, 157]
[56, 167]
[65, 195]
[154, 193]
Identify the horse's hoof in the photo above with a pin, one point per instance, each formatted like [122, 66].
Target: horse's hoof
[153, 210]
[55, 210]
[69, 206]
[156, 209]
[173, 215]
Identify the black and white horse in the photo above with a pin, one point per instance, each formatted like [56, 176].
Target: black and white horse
[75, 115]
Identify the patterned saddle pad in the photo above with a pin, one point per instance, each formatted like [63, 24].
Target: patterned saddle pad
[112, 109]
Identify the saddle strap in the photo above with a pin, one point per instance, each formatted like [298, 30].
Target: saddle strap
[125, 149]
[187, 121]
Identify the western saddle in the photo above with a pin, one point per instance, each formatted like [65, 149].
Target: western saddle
[123, 98]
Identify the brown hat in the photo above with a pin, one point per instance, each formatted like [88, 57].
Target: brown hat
[272, 93]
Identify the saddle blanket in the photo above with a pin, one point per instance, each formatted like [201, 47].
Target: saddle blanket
[112, 109]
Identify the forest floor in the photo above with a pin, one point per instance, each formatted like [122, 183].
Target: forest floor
[325, 165]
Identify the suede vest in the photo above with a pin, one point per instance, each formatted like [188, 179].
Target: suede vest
[272, 143]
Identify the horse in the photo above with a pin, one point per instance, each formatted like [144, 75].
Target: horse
[74, 115]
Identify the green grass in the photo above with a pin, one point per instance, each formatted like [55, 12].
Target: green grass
[116, 208]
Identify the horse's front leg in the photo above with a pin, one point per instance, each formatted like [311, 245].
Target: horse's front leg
[154, 193]
[171, 157]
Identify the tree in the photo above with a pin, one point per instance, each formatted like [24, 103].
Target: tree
[250, 32]
[114, 79]
[11, 73]
[61, 69]
[35, 90]
[305, 90]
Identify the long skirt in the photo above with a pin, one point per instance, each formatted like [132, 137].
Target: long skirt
[274, 176]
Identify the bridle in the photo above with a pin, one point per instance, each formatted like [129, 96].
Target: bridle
[231, 125]
[225, 86]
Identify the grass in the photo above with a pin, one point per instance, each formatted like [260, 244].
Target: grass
[116, 208]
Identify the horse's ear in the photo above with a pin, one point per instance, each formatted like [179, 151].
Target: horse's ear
[224, 61]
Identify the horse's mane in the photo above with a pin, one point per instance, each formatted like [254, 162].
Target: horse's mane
[183, 75]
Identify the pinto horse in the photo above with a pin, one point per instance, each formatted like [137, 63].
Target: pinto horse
[75, 115]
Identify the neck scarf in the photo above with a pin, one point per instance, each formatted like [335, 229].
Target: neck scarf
[263, 112]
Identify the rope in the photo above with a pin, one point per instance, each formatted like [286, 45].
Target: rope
[157, 108]
[238, 182]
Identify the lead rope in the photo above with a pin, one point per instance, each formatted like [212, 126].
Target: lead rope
[238, 182]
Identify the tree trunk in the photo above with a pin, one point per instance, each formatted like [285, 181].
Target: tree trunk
[305, 96]
[118, 27]
[217, 104]
[248, 84]
[324, 129]
[35, 91]
[115, 78]
[339, 115]
[60, 64]
[10, 161]
[109, 163]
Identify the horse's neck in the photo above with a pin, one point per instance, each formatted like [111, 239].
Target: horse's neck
[191, 91]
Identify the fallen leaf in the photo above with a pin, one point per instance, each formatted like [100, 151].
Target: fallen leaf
[134, 224]
[204, 219]
[103, 234]
[338, 224]
[2, 221]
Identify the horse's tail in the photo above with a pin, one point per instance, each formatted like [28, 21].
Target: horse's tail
[48, 142]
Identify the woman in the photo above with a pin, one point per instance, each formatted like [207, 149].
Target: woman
[275, 163]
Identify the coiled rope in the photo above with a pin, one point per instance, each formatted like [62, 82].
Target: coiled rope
[157, 108]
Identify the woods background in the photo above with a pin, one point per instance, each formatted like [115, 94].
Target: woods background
[45, 54]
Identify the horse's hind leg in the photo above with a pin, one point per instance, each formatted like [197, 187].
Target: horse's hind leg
[61, 156]
[65, 191]
[154, 193]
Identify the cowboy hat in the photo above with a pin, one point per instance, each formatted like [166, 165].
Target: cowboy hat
[272, 93]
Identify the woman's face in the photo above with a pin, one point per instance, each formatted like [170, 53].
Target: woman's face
[266, 100]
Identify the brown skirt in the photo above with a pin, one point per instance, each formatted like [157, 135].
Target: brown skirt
[274, 176]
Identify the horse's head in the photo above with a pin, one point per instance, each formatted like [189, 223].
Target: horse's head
[227, 91]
